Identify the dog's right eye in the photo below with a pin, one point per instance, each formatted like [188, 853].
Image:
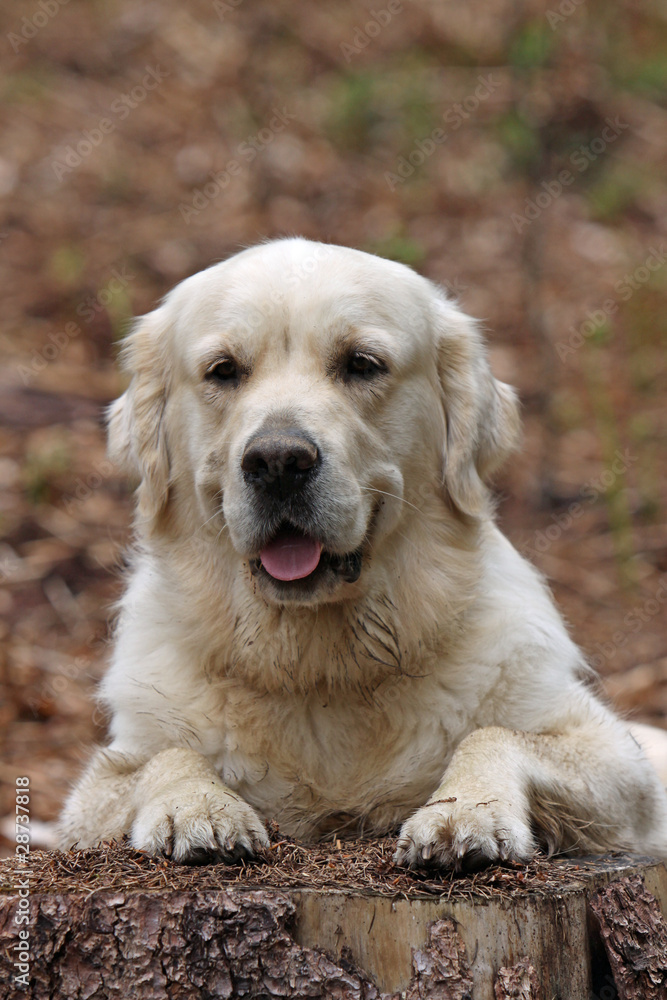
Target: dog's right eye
[364, 366]
[223, 371]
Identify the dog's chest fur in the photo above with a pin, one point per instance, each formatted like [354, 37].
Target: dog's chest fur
[316, 765]
[352, 719]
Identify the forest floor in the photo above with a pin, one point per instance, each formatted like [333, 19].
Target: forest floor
[518, 162]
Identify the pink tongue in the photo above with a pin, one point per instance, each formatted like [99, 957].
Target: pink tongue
[291, 557]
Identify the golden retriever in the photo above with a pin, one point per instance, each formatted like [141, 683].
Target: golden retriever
[323, 625]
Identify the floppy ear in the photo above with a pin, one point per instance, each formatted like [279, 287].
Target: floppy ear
[481, 413]
[135, 421]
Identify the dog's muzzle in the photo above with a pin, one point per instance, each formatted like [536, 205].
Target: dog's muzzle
[280, 467]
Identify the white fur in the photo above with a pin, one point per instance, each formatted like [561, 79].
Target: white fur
[440, 691]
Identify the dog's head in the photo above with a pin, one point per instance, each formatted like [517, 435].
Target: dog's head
[299, 402]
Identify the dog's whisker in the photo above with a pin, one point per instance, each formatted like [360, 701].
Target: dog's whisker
[208, 520]
[225, 527]
[372, 489]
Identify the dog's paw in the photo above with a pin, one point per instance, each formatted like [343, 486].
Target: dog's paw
[198, 822]
[464, 835]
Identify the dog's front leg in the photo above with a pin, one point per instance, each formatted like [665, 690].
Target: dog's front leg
[174, 804]
[505, 793]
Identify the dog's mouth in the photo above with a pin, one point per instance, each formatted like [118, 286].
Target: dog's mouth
[294, 557]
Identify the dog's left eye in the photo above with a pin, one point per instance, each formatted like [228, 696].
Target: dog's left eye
[364, 365]
[223, 371]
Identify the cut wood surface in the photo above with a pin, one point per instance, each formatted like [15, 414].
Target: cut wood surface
[333, 921]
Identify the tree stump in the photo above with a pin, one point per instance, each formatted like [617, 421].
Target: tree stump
[331, 921]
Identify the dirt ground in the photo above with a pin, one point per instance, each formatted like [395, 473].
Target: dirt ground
[515, 153]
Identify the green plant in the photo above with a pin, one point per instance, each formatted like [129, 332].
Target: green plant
[616, 494]
[400, 248]
[41, 469]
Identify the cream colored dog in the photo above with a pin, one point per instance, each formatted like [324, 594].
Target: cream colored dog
[323, 625]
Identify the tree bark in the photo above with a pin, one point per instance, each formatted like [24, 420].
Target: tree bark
[322, 943]
[517, 983]
[635, 937]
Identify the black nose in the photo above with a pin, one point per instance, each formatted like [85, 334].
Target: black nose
[280, 462]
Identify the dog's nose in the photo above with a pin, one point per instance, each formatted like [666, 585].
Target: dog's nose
[280, 462]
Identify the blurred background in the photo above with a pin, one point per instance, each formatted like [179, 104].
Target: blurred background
[514, 152]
